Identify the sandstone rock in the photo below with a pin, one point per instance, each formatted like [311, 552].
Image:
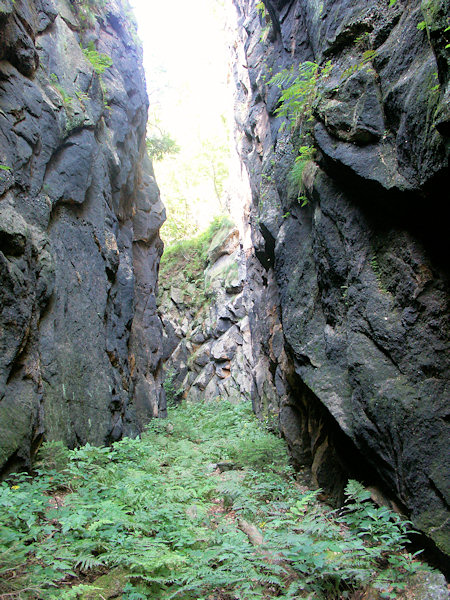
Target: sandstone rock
[205, 376]
[203, 355]
[224, 242]
[177, 296]
[225, 347]
[362, 374]
[429, 586]
[80, 338]
[223, 369]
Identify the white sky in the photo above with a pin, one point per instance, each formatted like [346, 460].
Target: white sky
[185, 59]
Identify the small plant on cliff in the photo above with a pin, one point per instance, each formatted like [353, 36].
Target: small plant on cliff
[88, 10]
[99, 61]
[5, 168]
[265, 18]
[173, 391]
[67, 99]
[299, 96]
[306, 154]
[300, 91]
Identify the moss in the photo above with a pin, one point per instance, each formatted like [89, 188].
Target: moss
[435, 524]
[183, 263]
[219, 237]
[226, 275]
[108, 586]
[6, 7]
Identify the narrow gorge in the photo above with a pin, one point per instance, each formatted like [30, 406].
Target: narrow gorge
[322, 302]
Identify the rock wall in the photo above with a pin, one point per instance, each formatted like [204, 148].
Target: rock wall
[207, 345]
[80, 339]
[349, 310]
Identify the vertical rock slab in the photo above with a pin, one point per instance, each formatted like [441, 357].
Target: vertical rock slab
[79, 220]
[359, 273]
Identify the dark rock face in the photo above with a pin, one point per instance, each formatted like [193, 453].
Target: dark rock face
[356, 281]
[79, 219]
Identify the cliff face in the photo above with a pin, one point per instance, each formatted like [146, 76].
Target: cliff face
[207, 335]
[350, 301]
[79, 220]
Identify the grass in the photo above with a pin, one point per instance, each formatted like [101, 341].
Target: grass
[154, 518]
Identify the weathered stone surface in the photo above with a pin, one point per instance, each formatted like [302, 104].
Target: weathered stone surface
[429, 586]
[211, 358]
[348, 296]
[80, 339]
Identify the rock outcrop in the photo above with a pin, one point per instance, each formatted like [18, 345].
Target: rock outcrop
[349, 316]
[80, 339]
[207, 344]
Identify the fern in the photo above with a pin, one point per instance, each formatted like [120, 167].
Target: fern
[98, 60]
[298, 100]
[149, 507]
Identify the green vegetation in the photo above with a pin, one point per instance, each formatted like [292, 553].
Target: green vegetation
[192, 184]
[306, 154]
[299, 97]
[299, 92]
[153, 518]
[366, 59]
[99, 61]
[184, 262]
[67, 99]
[4, 168]
[265, 17]
[435, 19]
[88, 10]
[161, 144]
[173, 393]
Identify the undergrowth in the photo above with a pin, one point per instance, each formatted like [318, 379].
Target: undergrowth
[157, 517]
[184, 262]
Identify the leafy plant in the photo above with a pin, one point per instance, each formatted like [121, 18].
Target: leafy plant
[366, 58]
[5, 168]
[161, 144]
[98, 60]
[67, 100]
[299, 91]
[299, 96]
[306, 154]
[156, 510]
[173, 392]
[88, 10]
